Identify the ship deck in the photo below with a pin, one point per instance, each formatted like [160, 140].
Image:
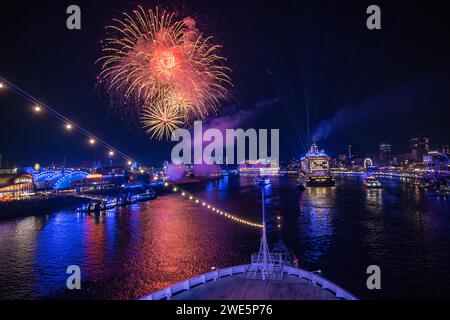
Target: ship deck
[239, 288]
[234, 284]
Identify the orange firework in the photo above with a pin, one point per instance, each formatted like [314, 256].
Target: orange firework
[151, 56]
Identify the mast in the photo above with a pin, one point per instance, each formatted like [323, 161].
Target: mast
[264, 246]
[262, 265]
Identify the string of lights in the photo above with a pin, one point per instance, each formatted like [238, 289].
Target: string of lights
[39, 106]
[190, 197]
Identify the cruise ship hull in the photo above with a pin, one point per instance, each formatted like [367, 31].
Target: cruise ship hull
[320, 182]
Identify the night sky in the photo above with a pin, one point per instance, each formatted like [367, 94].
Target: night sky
[309, 68]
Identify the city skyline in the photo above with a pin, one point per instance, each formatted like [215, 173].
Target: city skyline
[383, 102]
[102, 160]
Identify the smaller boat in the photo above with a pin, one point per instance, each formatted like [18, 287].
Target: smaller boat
[149, 194]
[371, 182]
[443, 189]
[102, 205]
[94, 206]
[262, 180]
[108, 204]
[424, 183]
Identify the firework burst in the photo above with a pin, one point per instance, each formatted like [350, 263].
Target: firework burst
[180, 102]
[151, 56]
[161, 120]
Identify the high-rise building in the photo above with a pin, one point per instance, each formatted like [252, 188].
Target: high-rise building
[354, 152]
[419, 147]
[436, 163]
[385, 153]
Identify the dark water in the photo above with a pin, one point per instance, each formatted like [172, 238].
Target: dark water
[130, 252]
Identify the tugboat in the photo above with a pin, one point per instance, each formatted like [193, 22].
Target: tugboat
[316, 165]
[371, 182]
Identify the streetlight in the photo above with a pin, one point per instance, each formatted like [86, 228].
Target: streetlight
[68, 126]
[2, 85]
[130, 163]
[111, 153]
[91, 141]
[37, 108]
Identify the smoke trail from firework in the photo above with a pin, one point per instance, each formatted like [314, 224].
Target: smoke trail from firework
[151, 56]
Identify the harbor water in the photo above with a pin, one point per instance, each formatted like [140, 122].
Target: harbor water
[131, 251]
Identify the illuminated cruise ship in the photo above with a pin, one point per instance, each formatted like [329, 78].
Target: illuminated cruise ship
[261, 167]
[316, 165]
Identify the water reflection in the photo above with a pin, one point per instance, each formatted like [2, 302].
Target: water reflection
[17, 252]
[317, 228]
[374, 198]
[128, 252]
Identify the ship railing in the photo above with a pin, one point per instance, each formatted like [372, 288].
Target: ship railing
[316, 280]
[215, 275]
[273, 267]
[276, 258]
